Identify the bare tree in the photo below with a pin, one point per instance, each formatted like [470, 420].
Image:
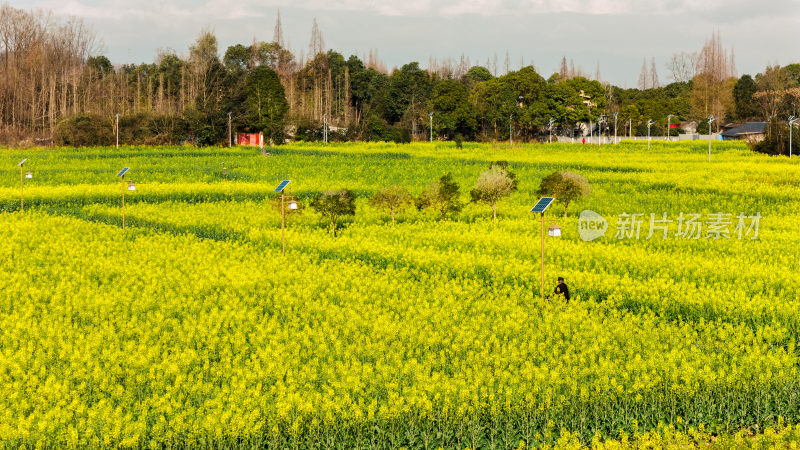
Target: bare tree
[277, 36]
[712, 89]
[654, 83]
[643, 76]
[317, 44]
[563, 71]
[771, 92]
[682, 66]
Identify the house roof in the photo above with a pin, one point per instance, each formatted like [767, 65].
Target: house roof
[747, 128]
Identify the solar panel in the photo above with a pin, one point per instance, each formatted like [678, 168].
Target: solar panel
[282, 186]
[22, 162]
[542, 204]
[123, 171]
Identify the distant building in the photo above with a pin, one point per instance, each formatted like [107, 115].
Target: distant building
[750, 132]
[250, 139]
[689, 127]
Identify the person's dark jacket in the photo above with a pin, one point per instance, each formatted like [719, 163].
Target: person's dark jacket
[562, 289]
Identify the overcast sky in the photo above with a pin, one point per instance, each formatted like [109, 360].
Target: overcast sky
[616, 33]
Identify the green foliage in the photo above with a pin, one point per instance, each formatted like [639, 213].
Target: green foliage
[393, 199]
[453, 114]
[442, 195]
[745, 106]
[100, 65]
[459, 141]
[565, 187]
[266, 105]
[334, 204]
[85, 130]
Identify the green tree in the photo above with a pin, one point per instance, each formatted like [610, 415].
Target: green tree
[493, 184]
[237, 57]
[409, 89]
[266, 104]
[393, 199]
[744, 105]
[334, 204]
[565, 187]
[453, 112]
[442, 195]
[100, 65]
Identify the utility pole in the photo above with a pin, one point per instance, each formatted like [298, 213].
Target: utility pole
[710, 121]
[630, 127]
[600, 121]
[230, 133]
[430, 128]
[669, 129]
[649, 123]
[615, 127]
[510, 132]
[116, 128]
[325, 128]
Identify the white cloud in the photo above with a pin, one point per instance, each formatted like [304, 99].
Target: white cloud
[229, 9]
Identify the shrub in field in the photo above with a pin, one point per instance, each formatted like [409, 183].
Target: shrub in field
[459, 141]
[85, 130]
[393, 199]
[333, 204]
[492, 185]
[441, 195]
[565, 187]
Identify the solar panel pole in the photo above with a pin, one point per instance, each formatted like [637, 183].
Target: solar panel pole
[123, 201]
[281, 188]
[542, 286]
[21, 188]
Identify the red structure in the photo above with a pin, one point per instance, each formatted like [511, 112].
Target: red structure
[250, 139]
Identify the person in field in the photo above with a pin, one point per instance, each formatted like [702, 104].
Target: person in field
[562, 289]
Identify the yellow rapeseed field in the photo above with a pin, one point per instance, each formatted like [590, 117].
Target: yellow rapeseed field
[189, 328]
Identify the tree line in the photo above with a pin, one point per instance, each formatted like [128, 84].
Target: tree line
[57, 87]
[443, 195]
